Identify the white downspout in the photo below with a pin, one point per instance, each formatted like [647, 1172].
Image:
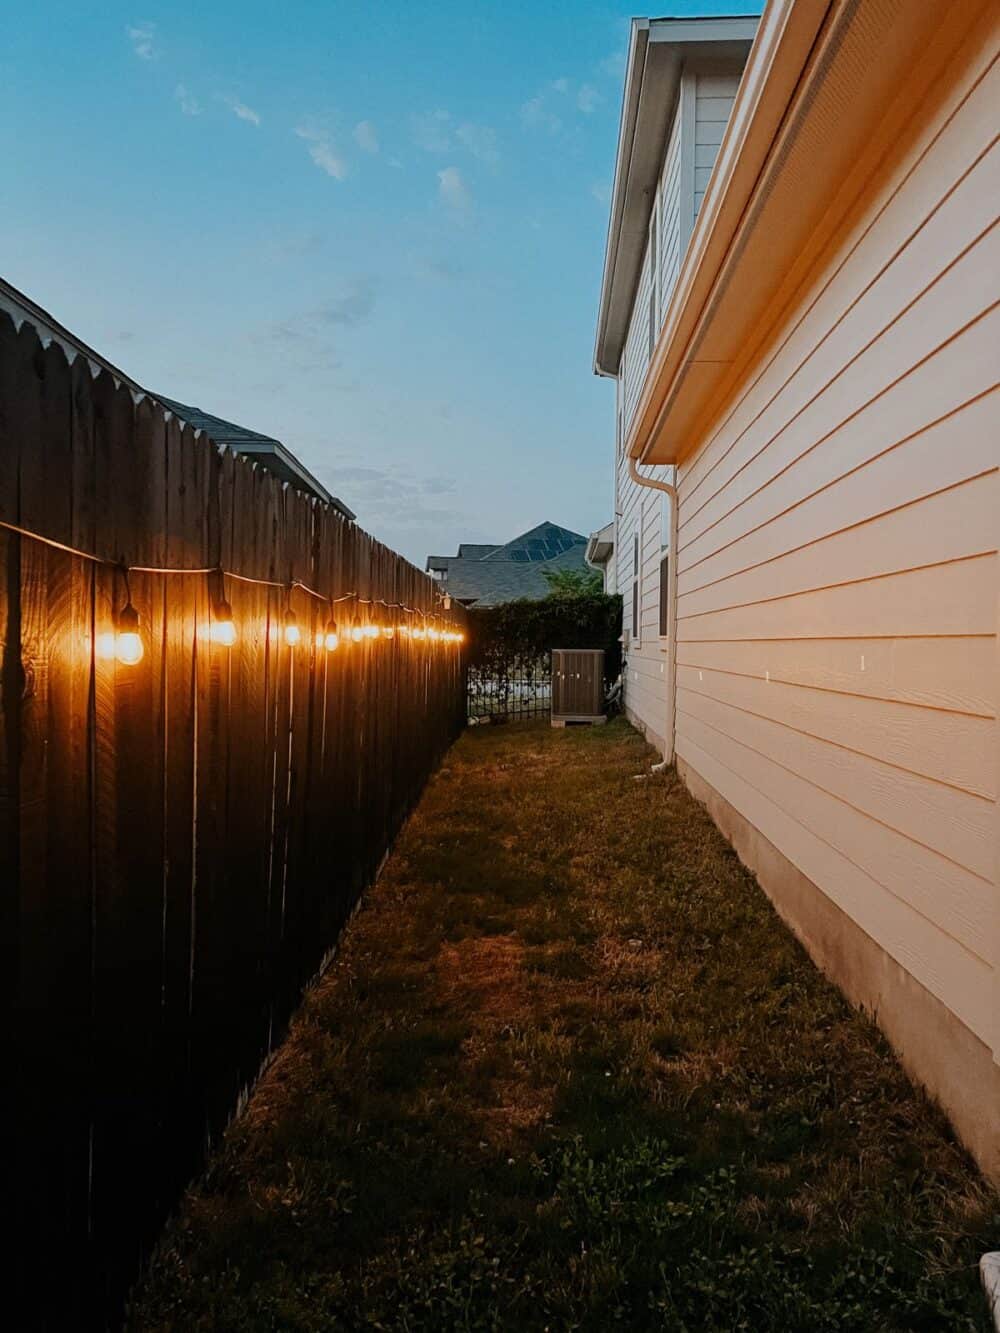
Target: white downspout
[671, 492]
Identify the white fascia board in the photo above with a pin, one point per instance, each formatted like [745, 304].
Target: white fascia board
[734, 29]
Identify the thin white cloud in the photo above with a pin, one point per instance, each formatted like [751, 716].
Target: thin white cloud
[241, 109]
[560, 85]
[394, 162]
[395, 490]
[601, 192]
[480, 140]
[322, 151]
[328, 160]
[350, 306]
[187, 101]
[301, 243]
[143, 39]
[307, 340]
[432, 131]
[536, 115]
[587, 98]
[437, 268]
[614, 64]
[366, 136]
[454, 192]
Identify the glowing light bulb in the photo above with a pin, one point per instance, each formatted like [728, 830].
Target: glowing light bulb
[293, 634]
[357, 632]
[371, 631]
[331, 638]
[419, 632]
[223, 628]
[402, 629]
[433, 634]
[387, 631]
[129, 648]
[104, 645]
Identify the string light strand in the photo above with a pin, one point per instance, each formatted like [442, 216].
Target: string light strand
[126, 569]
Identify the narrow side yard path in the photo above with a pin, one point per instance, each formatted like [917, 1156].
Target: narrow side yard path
[569, 1071]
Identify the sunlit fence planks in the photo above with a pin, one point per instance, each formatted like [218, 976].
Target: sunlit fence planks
[181, 839]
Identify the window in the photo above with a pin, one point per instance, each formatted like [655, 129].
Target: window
[664, 594]
[621, 409]
[636, 586]
[652, 280]
[664, 566]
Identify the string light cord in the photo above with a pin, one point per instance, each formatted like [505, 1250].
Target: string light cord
[127, 569]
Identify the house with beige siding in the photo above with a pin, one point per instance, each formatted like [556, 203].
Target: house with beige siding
[800, 313]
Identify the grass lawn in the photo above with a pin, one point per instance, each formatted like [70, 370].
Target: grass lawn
[569, 1071]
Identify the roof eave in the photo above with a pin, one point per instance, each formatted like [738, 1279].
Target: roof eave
[598, 553]
[302, 474]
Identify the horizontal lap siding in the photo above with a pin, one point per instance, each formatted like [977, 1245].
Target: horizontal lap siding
[837, 568]
[670, 220]
[715, 91]
[670, 193]
[637, 343]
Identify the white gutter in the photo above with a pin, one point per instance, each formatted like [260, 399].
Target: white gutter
[671, 492]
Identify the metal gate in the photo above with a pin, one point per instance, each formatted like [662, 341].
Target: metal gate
[512, 689]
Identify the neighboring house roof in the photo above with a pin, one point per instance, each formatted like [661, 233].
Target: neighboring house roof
[511, 571]
[270, 453]
[264, 449]
[476, 550]
[657, 50]
[544, 542]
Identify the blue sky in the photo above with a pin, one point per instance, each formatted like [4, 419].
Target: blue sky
[373, 230]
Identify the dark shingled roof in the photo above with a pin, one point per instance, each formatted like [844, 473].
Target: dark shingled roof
[516, 569]
[263, 449]
[475, 550]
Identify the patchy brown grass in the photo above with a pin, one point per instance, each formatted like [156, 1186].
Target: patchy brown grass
[569, 1071]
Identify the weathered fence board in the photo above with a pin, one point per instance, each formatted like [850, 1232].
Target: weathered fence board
[182, 838]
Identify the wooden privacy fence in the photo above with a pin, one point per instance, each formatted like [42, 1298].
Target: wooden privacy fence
[182, 838]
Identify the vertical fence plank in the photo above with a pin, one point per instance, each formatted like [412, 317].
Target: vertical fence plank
[182, 1116]
[137, 461]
